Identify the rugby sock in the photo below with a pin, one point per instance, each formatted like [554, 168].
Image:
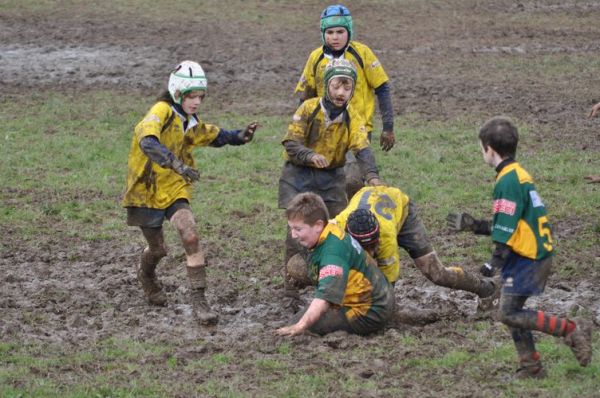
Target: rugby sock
[554, 325]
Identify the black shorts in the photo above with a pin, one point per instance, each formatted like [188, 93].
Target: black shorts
[329, 184]
[413, 235]
[146, 217]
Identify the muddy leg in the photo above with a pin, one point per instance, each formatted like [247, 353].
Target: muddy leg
[183, 221]
[453, 277]
[290, 289]
[149, 260]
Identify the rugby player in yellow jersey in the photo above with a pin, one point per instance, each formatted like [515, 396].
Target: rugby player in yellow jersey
[523, 251]
[372, 81]
[383, 219]
[322, 131]
[161, 170]
[350, 294]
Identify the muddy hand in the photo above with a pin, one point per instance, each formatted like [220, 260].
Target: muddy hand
[189, 174]
[319, 161]
[387, 140]
[594, 110]
[248, 133]
[460, 221]
[289, 330]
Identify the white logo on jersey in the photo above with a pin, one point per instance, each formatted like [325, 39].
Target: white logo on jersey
[536, 201]
[355, 244]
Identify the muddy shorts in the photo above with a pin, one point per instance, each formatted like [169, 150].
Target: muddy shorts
[329, 184]
[524, 277]
[153, 218]
[413, 235]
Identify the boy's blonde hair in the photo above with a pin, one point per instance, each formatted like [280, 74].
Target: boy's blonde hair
[307, 207]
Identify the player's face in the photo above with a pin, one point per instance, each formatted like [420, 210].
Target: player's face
[191, 101]
[336, 38]
[340, 90]
[306, 235]
[488, 157]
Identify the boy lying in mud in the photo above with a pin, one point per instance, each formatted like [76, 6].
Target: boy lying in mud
[350, 294]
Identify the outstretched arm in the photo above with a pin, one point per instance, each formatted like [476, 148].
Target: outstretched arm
[316, 309]
[466, 222]
[235, 137]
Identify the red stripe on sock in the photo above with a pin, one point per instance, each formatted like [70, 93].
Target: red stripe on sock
[552, 324]
[540, 320]
[570, 327]
[563, 326]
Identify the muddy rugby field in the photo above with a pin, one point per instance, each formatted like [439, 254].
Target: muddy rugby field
[446, 60]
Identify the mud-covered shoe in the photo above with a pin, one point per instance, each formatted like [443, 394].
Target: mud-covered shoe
[531, 367]
[201, 310]
[531, 372]
[152, 288]
[580, 341]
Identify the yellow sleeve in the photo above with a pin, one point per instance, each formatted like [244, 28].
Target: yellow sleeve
[374, 72]
[153, 122]
[358, 138]
[297, 129]
[203, 134]
[307, 84]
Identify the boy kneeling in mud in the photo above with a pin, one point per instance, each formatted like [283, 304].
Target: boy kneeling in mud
[524, 250]
[350, 294]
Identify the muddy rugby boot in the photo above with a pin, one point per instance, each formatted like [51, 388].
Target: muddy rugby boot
[580, 341]
[152, 287]
[201, 309]
[531, 368]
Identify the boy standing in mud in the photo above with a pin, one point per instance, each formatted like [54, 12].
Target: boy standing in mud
[372, 81]
[523, 251]
[161, 170]
[350, 294]
[322, 131]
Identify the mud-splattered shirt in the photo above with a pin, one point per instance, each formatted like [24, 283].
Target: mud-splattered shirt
[150, 185]
[390, 207]
[520, 219]
[330, 138]
[370, 75]
[343, 278]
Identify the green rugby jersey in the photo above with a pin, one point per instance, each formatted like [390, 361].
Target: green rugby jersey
[338, 265]
[520, 218]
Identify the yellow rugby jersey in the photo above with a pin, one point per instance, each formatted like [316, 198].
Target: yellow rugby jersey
[370, 75]
[150, 185]
[390, 207]
[332, 139]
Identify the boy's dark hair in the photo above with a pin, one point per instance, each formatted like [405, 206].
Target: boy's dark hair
[501, 135]
[308, 207]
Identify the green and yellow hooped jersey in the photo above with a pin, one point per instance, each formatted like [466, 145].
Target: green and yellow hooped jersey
[390, 207]
[150, 185]
[343, 278]
[520, 219]
[332, 139]
[370, 75]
